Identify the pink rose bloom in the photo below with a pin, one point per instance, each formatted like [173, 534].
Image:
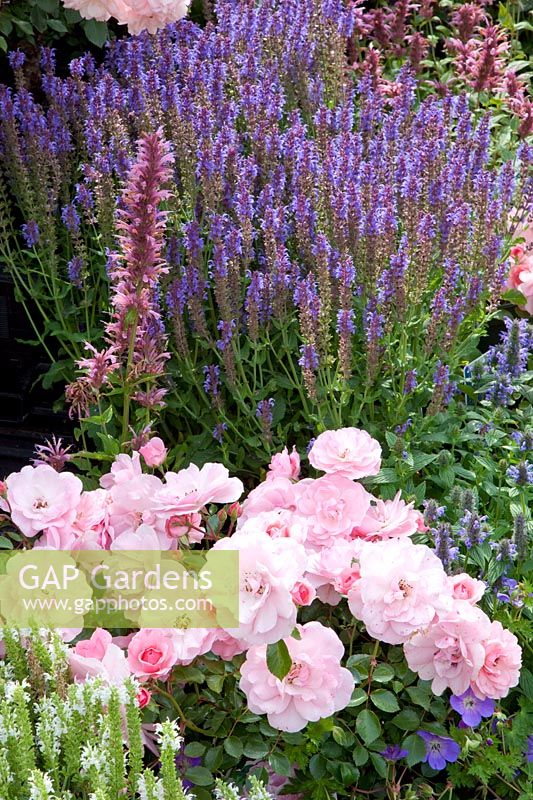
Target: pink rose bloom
[227, 646]
[123, 470]
[316, 686]
[143, 697]
[500, 667]
[450, 652]
[100, 10]
[152, 653]
[521, 276]
[387, 518]
[190, 489]
[134, 503]
[91, 524]
[402, 586]
[142, 538]
[279, 524]
[98, 657]
[273, 495]
[466, 588]
[57, 539]
[268, 568]
[192, 642]
[151, 15]
[332, 506]
[347, 580]
[303, 593]
[326, 568]
[40, 498]
[349, 452]
[154, 451]
[284, 465]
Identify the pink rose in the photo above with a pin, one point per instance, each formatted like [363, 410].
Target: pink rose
[192, 642]
[450, 652]
[154, 451]
[268, 570]
[98, 657]
[387, 518]
[466, 588]
[227, 646]
[40, 498]
[150, 15]
[279, 524]
[327, 568]
[152, 653]
[402, 586]
[143, 697]
[284, 465]
[521, 276]
[315, 687]
[303, 593]
[123, 469]
[275, 494]
[349, 452]
[500, 667]
[332, 506]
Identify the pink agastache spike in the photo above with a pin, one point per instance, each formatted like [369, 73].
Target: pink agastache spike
[136, 343]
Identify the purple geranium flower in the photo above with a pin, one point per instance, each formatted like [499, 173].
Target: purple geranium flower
[393, 752]
[529, 750]
[471, 708]
[439, 749]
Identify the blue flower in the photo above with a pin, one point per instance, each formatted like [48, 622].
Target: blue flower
[393, 752]
[439, 750]
[471, 708]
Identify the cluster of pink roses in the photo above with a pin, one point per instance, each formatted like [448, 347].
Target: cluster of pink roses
[138, 15]
[521, 272]
[297, 539]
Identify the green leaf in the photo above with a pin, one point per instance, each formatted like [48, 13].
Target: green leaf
[383, 673]
[194, 749]
[416, 747]
[380, 765]
[368, 726]
[515, 297]
[47, 5]
[420, 696]
[57, 25]
[233, 747]
[5, 544]
[348, 774]
[358, 697]
[255, 747]
[385, 700]
[24, 26]
[278, 659]
[360, 755]
[317, 766]
[96, 32]
[407, 720]
[200, 776]
[215, 683]
[280, 764]
[526, 683]
[342, 736]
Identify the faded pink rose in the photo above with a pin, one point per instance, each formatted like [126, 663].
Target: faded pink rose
[500, 668]
[100, 10]
[303, 593]
[284, 465]
[151, 15]
[192, 642]
[227, 646]
[268, 570]
[98, 657]
[279, 524]
[152, 653]
[387, 518]
[123, 469]
[41, 498]
[331, 507]
[349, 452]
[327, 568]
[450, 652]
[402, 586]
[91, 524]
[315, 687]
[273, 495]
[154, 451]
[466, 588]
